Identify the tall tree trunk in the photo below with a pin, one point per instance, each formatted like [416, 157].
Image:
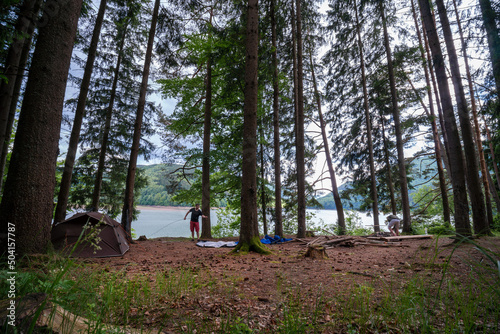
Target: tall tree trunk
[107, 126]
[27, 202]
[294, 71]
[389, 170]
[27, 15]
[437, 149]
[479, 217]
[62, 199]
[206, 228]
[300, 145]
[249, 229]
[477, 131]
[443, 145]
[263, 198]
[462, 224]
[373, 177]
[333, 179]
[432, 118]
[128, 202]
[492, 152]
[278, 226]
[23, 61]
[492, 33]
[405, 200]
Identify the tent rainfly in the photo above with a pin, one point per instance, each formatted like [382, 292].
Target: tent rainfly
[108, 232]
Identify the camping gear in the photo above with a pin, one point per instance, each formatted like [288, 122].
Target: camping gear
[216, 244]
[267, 240]
[391, 217]
[98, 230]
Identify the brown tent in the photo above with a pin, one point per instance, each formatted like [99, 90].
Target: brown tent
[112, 241]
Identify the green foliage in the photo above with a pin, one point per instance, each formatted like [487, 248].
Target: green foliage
[228, 223]
[353, 224]
[496, 223]
[113, 184]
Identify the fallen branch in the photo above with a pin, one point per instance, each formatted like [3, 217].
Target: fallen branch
[329, 232]
[336, 241]
[361, 274]
[312, 242]
[382, 245]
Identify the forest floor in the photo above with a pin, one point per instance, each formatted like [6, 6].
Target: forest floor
[258, 293]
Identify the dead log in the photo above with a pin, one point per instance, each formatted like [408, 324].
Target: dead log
[37, 310]
[301, 240]
[392, 244]
[361, 274]
[314, 241]
[335, 241]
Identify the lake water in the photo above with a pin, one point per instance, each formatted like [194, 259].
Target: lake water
[155, 222]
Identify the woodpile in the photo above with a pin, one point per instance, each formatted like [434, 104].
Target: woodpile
[327, 242]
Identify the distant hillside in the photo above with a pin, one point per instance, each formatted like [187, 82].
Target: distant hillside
[422, 170]
[159, 190]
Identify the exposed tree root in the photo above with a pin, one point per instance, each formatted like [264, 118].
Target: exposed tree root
[255, 245]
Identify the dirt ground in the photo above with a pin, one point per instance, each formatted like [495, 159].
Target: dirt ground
[259, 282]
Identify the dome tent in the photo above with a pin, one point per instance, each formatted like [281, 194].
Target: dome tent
[111, 242]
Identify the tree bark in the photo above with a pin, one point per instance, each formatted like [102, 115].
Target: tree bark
[62, 199]
[389, 171]
[27, 202]
[492, 33]
[249, 229]
[23, 30]
[462, 224]
[444, 144]
[432, 119]
[107, 126]
[23, 61]
[333, 179]
[206, 229]
[27, 15]
[405, 200]
[373, 177]
[300, 145]
[479, 218]
[477, 131]
[278, 226]
[263, 199]
[128, 202]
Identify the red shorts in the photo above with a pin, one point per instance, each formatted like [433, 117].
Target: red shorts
[194, 226]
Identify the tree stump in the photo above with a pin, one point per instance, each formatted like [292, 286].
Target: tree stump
[310, 234]
[316, 252]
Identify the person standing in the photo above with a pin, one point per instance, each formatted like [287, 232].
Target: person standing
[393, 225]
[194, 224]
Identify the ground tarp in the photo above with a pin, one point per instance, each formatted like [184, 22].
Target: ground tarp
[216, 244]
[274, 240]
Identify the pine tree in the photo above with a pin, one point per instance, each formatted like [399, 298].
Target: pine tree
[462, 223]
[27, 200]
[249, 232]
[62, 200]
[127, 213]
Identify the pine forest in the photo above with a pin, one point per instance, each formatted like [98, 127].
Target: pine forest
[262, 109]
